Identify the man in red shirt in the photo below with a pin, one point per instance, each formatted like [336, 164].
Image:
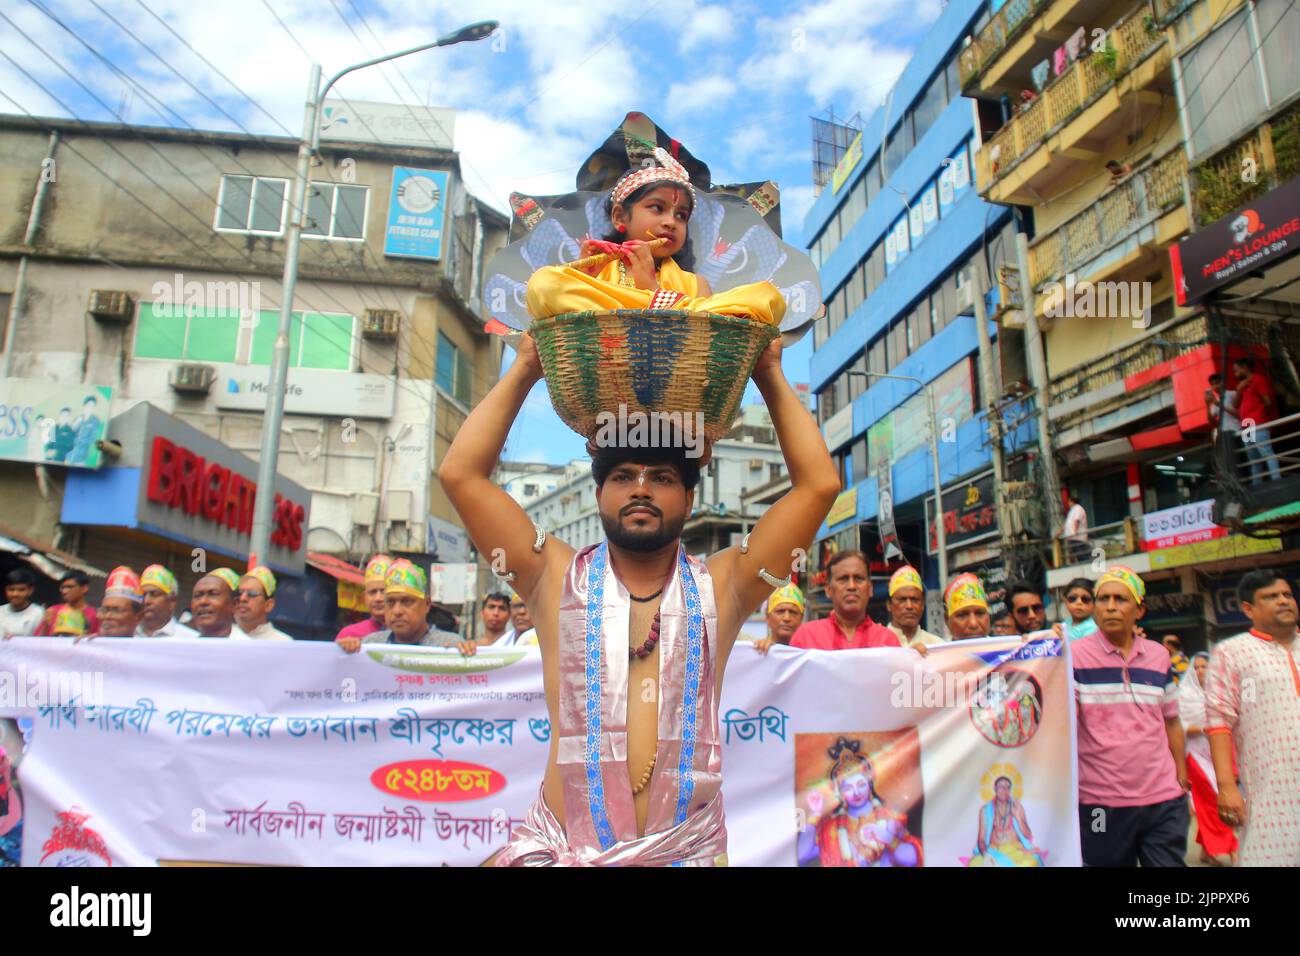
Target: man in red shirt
[1256, 406]
[848, 627]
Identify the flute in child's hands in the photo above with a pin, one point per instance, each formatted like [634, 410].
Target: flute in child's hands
[614, 251]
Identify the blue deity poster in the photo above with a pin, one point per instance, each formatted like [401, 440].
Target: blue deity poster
[416, 210]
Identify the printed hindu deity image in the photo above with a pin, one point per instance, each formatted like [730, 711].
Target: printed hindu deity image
[1007, 708]
[854, 826]
[1004, 837]
[11, 814]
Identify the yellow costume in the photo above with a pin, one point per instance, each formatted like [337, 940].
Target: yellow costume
[555, 290]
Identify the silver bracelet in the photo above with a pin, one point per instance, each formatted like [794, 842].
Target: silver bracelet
[744, 543]
[539, 540]
[773, 580]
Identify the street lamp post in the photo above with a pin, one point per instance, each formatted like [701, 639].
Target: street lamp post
[941, 535]
[260, 543]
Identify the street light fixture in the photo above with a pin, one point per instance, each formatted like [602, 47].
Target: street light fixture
[260, 543]
[941, 535]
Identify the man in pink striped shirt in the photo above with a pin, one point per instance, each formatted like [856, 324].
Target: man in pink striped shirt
[1132, 772]
[849, 626]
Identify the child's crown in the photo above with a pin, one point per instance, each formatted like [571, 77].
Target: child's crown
[667, 170]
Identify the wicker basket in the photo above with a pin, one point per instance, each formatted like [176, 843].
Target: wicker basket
[650, 361]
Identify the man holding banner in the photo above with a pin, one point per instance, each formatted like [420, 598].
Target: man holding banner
[849, 626]
[906, 605]
[406, 611]
[967, 607]
[632, 628]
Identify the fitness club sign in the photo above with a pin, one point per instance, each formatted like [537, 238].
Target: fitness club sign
[1249, 239]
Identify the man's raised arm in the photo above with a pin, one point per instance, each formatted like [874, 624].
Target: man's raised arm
[493, 519]
[814, 483]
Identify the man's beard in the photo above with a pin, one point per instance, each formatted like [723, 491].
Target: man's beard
[642, 541]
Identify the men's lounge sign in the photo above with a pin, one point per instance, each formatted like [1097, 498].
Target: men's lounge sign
[178, 478]
[1249, 239]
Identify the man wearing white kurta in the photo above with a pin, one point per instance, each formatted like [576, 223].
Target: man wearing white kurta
[1252, 697]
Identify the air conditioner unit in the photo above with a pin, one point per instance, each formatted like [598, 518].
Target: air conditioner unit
[756, 464]
[381, 324]
[193, 379]
[111, 306]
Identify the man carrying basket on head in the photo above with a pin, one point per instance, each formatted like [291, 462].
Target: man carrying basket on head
[634, 634]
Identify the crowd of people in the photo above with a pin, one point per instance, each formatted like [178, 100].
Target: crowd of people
[1154, 727]
[223, 603]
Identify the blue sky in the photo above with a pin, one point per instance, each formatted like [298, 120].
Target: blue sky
[735, 82]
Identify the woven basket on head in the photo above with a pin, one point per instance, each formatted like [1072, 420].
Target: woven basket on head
[649, 361]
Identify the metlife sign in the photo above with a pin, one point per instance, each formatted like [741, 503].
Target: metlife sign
[1185, 524]
[308, 391]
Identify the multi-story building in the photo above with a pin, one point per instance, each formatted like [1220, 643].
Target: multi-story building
[147, 261]
[1090, 113]
[527, 481]
[903, 241]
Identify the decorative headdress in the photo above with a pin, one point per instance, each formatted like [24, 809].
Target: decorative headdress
[406, 578]
[667, 170]
[848, 759]
[905, 577]
[122, 582]
[1125, 576]
[156, 576]
[377, 569]
[263, 576]
[69, 622]
[965, 591]
[788, 594]
[227, 575]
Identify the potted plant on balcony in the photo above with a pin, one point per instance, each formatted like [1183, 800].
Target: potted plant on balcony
[1110, 58]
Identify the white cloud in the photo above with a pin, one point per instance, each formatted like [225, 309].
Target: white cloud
[703, 95]
[707, 26]
[835, 47]
[795, 203]
[502, 156]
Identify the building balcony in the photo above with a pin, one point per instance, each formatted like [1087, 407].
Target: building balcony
[1001, 57]
[1063, 130]
[1118, 228]
[1123, 374]
[1270, 154]
[1007, 25]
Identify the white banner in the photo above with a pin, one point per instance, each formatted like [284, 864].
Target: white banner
[265, 753]
[1184, 524]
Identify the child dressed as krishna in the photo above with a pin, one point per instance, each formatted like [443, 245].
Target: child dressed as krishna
[650, 209]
